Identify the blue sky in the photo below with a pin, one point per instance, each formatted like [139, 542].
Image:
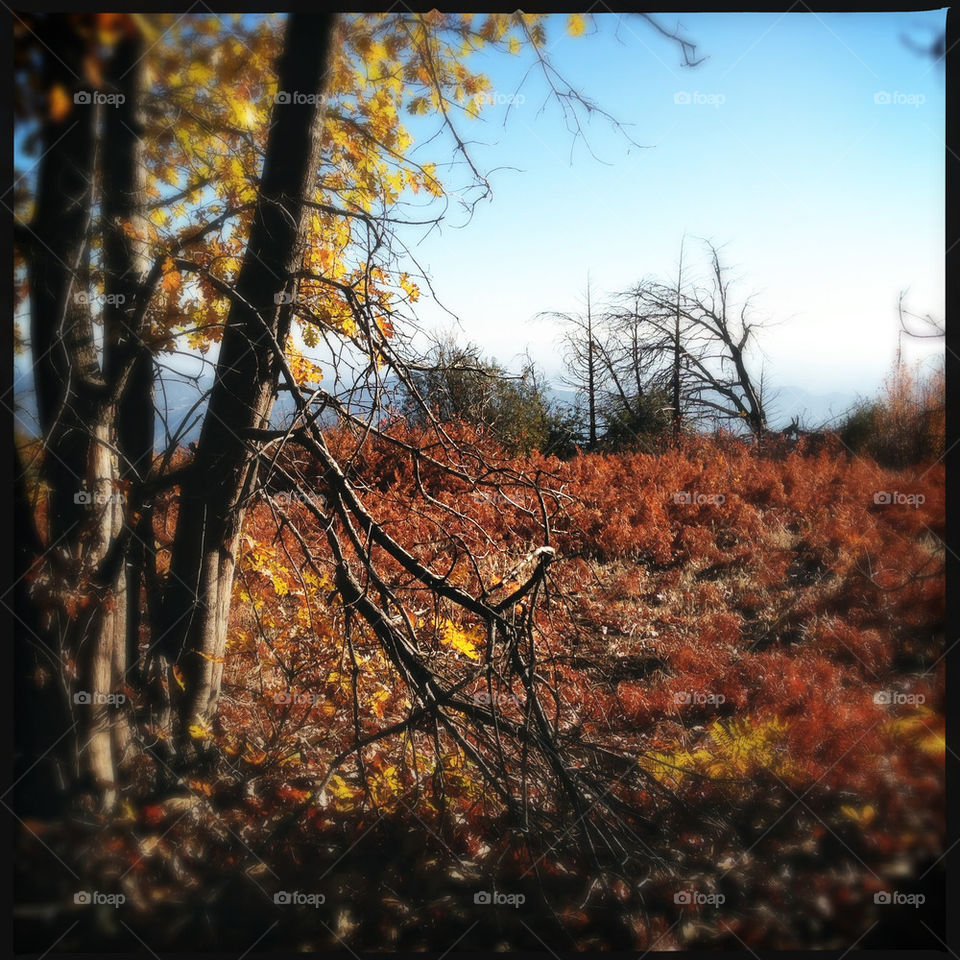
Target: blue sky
[827, 201]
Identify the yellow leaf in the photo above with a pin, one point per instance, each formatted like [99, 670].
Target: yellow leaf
[178, 676]
[460, 640]
[576, 25]
[199, 731]
[341, 790]
[378, 700]
[864, 816]
[934, 743]
[304, 371]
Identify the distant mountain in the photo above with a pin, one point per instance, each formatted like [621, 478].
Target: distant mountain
[812, 409]
[176, 398]
[180, 398]
[182, 404]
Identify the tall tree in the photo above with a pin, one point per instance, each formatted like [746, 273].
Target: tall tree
[204, 184]
[675, 382]
[76, 405]
[196, 603]
[591, 372]
[582, 352]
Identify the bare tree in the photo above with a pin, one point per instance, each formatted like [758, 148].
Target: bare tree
[706, 338]
[926, 327]
[634, 358]
[665, 348]
[582, 350]
[606, 363]
[677, 363]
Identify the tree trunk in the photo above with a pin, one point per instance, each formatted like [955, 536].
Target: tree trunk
[755, 412]
[676, 351]
[99, 640]
[77, 412]
[56, 249]
[127, 361]
[197, 597]
[591, 374]
[66, 372]
[69, 389]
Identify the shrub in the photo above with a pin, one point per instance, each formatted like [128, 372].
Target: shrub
[905, 425]
[458, 384]
[638, 423]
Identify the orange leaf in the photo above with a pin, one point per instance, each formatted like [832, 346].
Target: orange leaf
[171, 282]
[207, 656]
[59, 103]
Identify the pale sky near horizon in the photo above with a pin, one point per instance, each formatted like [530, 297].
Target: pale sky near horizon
[812, 150]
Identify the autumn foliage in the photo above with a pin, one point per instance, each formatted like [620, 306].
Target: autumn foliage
[379, 683]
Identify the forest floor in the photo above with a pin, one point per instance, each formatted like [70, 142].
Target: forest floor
[761, 638]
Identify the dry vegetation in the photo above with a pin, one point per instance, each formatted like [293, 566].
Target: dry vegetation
[762, 667]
